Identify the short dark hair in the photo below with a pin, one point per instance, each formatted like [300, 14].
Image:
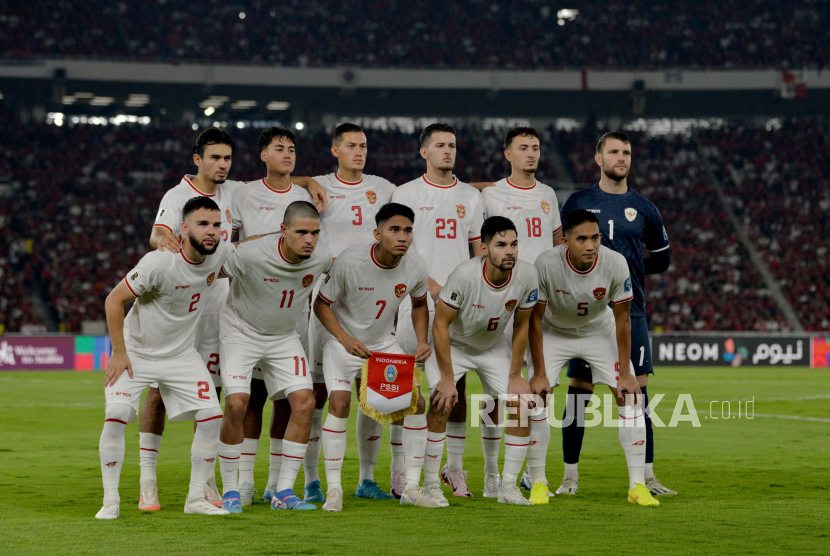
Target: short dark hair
[213, 136]
[426, 134]
[196, 203]
[337, 135]
[272, 133]
[619, 135]
[389, 210]
[521, 131]
[299, 209]
[577, 217]
[496, 225]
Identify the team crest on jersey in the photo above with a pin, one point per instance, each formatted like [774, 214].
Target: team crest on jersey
[400, 289]
[372, 196]
[462, 210]
[630, 214]
[210, 278]
[546, 207]
[307, 280]
[390, 373]
[599, 293]
[510, 305]
[228, 214]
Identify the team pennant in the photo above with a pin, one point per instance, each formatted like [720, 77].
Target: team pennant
[389, 387]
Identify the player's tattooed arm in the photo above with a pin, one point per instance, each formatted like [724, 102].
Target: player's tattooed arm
[445, 395]
[114, 306]
[321, 198]
[162, 239]
[627, 384]
[420, 322]
[482, 185]
[329, 320]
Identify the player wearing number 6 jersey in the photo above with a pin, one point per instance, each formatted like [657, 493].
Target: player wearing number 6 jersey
[577, 281]
[156, 345]
[273, 279]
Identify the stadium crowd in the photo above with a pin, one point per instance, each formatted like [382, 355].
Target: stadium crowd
[478, 33]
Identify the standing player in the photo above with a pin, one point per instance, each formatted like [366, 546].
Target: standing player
[577, 282]
[273, 279]
[478, 299]
[156, 345]
[450, 214]
[357, 306]
[627, 221]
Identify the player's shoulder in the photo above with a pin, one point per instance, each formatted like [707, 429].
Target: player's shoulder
[325, 179]
[467, 189]
[612, 260]
[470, 268]
[416, 262]
[582, 195]
[372, 180]
[322, 255]
[353, 255]
[230, 187]
[410, 186]
[159, 260]
[644, 204]
[495, 191]
[241, 193]
[551, 258]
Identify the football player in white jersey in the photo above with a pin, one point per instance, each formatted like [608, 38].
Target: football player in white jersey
[273, 279]
[450, 214]
[577, 281]
[478, 299]
[357, 305]
[157, 345]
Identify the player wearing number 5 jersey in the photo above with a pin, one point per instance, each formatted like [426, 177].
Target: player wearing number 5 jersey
[273, 279]
[156, 345]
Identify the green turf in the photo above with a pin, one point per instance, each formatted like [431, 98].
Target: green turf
[756, 486]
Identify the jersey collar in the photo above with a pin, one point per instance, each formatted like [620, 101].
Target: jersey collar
[580, 272]
[279, 250]
[190, 183]
[374, 260]
[453, 184]
[290, 185]
[337, 177]
[188, 261]
[489, 283]
[510, 183]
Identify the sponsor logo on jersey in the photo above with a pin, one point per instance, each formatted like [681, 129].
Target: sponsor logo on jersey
[510, 305]
[400, 289]
[461, 210]
[514, 208]
[595, 211]
[182, 287]
[372, 196]
[478, 306]
[599, 293]
[210, 278]
[630, 214]
[390, 373]
[307, 280]
[228, 214]
[337, 196]
[134, 276]
[563, 291]
[533, 296]
[627, 285]
[365, 289]
[427, 208]
[546, 207]
[267, 208]
[274, 280]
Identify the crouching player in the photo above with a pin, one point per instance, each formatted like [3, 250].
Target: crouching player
[156, 344]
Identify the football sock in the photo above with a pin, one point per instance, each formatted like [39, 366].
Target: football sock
[368, 433]
[649, 471]
[247, 459]
[573, 423]
[292, 457]
[203, 451]
[490, 441]
[111, 449]
[414, 441]
[275, 462]
[432, 463]
[334, 448]
[396, 445]
[456, 436]
[148, 453]
[633, 440]
[538, 448]
[515, 450]
[229, 455]
[312, 452]
[571, 470]
[649, 429]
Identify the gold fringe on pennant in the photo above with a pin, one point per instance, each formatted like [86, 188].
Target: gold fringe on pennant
[383, 418]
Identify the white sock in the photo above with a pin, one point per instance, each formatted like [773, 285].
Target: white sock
[572, 471]
[148, 452]
[111, 450]
[368, 434]
[515, 450]
[312, 452]
[203, 451]
[415, 445]
[633, 440]
[334, 448]
[229, 455]
[649, 474]
[275, 460]
[292, 458]
[456, 435]
[490, 441]
[537, 450]
[434, 452]
[396, 445]
[247, 459]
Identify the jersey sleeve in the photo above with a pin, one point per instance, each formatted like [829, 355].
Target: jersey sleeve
[237, 202]
[452, 294]
[170, 214]
[557, 218]
[568, 206]
[531, 294]
[541, 276]
[478, 218]
[234, 264]
[421, 286]
[335, 281]
[655, 237]
[621, 290]
[147, 274]
[387, 189]
[400, 196]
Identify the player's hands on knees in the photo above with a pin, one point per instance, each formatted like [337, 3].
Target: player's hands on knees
[628, 386]
[117, 363]
[518, 386]
[356, 348]
[444, 397]
[540, 386]
[171, 242]
[422, 352]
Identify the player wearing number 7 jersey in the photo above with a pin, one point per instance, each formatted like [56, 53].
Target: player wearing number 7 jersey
[273, 279]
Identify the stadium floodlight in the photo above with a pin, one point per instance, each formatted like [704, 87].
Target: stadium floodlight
[299, 126]
[137, 100]
[243, 104]
[209, 110]
[84, 95]
[67, 99]
[277, 105]
[241, 15]
[101, 101]
[194, 127]
[566, 15]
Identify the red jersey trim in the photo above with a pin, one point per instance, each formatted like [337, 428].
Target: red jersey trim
[420, 298]
[324, 298]
[474, 238]
[526, 308]
[483, 273]
[130, 288]
[374, 260]
[580, 272]
[279, 250]
[290, 185]
[440, 186]
[189, 261]
[557, 229]
[190, 183]
[622, 300]
[520, 187]
[448, 305]
[347, 182]
[163, 226]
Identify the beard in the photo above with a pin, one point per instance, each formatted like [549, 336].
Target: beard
[504, 265]
[614, 174]
[200, 248]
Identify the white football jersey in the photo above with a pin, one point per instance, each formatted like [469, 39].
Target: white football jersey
[258, 209]
[447, 218]
[365, 295]
[170, 217]
[349, 218]
[484, 309]
[269, 293]
[534, 211]
[172, 294]
[577, 300]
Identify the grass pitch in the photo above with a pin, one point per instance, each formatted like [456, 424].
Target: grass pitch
[747, 486]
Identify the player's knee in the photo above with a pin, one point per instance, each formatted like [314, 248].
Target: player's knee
[302, 402]
[583, 384]
[421, 405]
[235, 407]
